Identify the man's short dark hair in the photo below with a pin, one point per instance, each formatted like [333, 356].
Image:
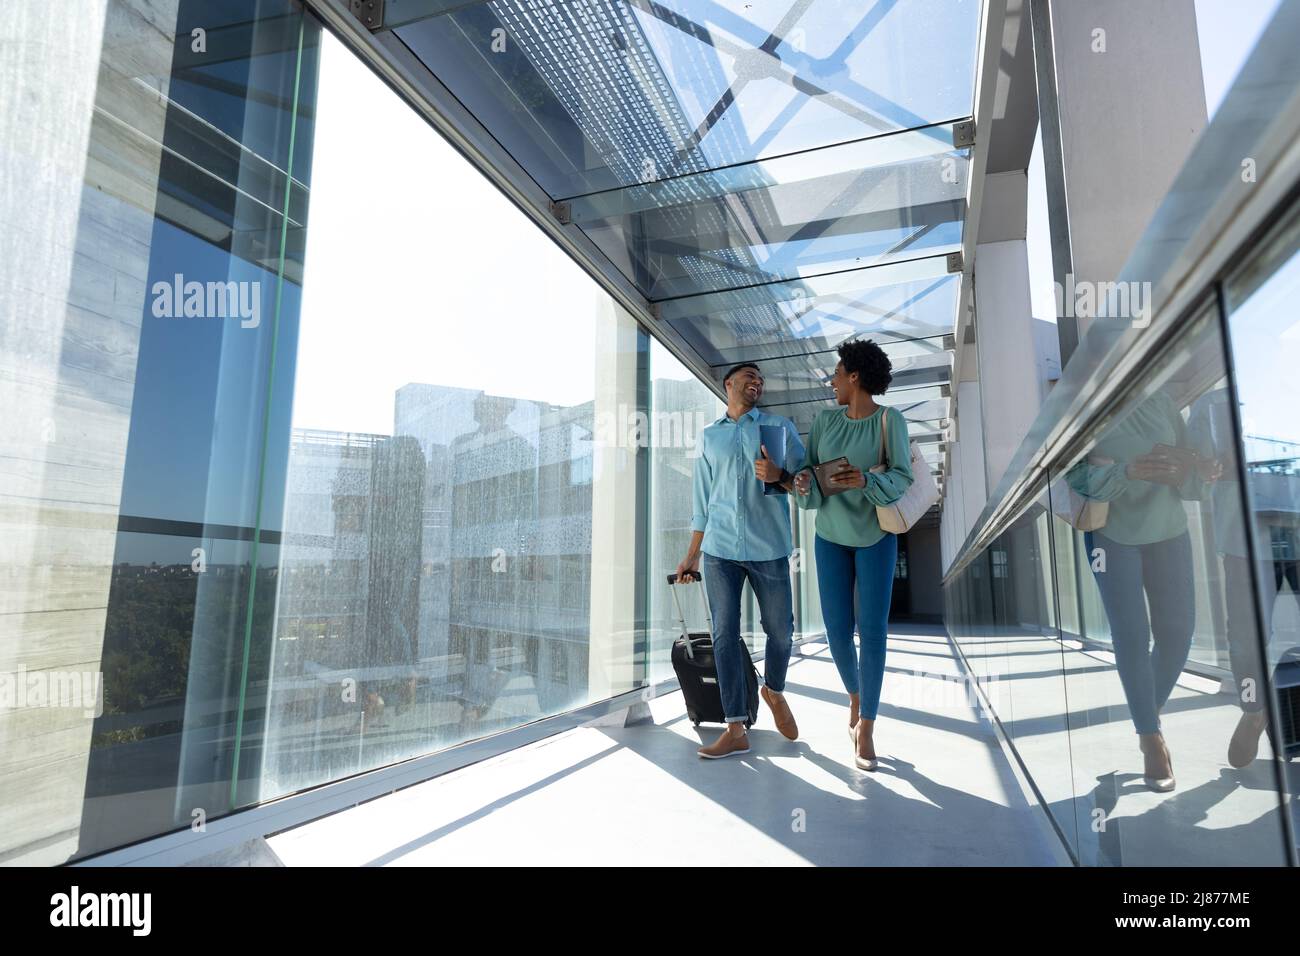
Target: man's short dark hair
[869, 360]
[736, 368]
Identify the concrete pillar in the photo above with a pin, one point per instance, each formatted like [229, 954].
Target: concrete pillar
[613, 666]
[950, 520]
[971, 482]
[1129, 103]
[1010, 375]
[75, 239]
[967, 489]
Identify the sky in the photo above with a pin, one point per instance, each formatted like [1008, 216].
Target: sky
[420, 270]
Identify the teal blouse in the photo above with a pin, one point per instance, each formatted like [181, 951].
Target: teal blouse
[1141, 512]
[849, 518]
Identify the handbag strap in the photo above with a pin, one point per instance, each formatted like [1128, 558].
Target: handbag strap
[884, 428]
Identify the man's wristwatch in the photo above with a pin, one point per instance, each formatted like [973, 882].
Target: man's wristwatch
[785, 476]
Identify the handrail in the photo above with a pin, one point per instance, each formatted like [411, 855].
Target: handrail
[1211, 215]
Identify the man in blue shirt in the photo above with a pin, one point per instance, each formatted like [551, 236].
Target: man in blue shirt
[742, 532]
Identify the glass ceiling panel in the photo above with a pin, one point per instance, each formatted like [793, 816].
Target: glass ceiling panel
[823, 395]
[882, 151]
[593, 94]
[805, 378]
[891, 303]
[925, 407]
[898, 351]
[851, 218]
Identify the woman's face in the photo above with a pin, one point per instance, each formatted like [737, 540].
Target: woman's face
[843, 384]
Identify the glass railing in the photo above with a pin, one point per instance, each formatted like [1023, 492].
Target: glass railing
[1128, 598]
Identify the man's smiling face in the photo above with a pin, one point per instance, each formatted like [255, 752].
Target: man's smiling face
[745, 385]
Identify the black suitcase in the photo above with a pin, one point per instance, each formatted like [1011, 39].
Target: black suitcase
[697, 675]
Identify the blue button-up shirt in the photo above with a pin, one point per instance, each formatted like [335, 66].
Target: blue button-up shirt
[739, 521]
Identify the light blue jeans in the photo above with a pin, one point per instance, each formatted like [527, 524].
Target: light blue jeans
[723, 582]
[870, 572]
[1150, 650]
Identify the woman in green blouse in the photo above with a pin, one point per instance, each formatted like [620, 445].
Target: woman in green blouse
[852, 550]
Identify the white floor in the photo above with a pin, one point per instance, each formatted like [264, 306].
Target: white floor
[1091, 776]
[637, 796]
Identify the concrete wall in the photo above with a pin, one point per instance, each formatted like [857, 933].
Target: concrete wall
[1132, 102]
[76, 210]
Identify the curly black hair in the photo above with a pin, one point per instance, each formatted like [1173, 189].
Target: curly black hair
[870, 362]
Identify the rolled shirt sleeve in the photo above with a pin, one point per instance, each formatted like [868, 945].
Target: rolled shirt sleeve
[701, 486]
[888, 486]
[1098, 482]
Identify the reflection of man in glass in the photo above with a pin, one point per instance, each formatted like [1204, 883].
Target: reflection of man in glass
[1212, 431]
[1142, 558]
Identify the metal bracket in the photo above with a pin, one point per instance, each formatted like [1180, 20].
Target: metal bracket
[638, 715]
[949, 342]
[369, 12]
[954, 262]
[563, 212]
[963, 134]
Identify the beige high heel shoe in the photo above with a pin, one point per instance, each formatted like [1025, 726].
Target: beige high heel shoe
[1159, 784]
[862, 763]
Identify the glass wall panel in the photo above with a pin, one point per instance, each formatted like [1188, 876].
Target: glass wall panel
[808, 621]
[681, 407]
[978, 614]
[150, 299]
[1146, 502]
[1025, 659]
[465, 474]
[1264, 330]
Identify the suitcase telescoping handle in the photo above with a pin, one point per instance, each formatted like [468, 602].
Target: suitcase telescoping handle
[681, 616]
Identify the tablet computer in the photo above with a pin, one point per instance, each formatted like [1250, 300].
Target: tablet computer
[823, 474]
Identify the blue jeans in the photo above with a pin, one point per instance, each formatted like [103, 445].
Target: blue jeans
[1163, 571]
[723, 582]
[869, 572]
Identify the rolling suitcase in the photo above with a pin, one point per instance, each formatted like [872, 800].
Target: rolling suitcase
[697, 674]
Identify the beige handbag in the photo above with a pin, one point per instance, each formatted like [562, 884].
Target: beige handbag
[1079, 511]
[898, 516]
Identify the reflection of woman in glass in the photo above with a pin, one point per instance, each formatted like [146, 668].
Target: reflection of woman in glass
[854, 556]
[1142, 557]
